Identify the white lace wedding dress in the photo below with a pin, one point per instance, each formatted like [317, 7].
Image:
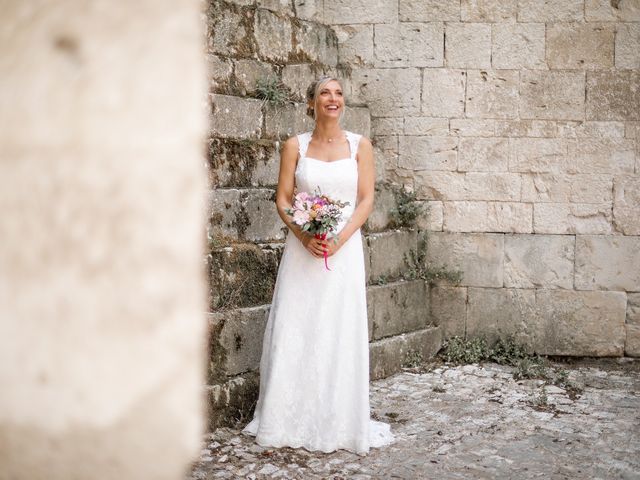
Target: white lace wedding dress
[314, 371]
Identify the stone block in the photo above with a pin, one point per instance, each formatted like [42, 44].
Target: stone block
[613, 95]
[580, 46]
[526, 128]
[422, 45]
[497, 186]
[550, 11]
[384, 202]
[518, 45]
[429, 10]
[432, 218]
[590, 129]
[564, 188]
[309, 10]
[483, 155]
[297, 78]
[388, 92]
[283, 6]
[540, 155]
[479, 256]
[602, 155]
[492, 94]
[468, 45]
[248, 214]
[387, 356]
[626, 204]
[341, 12]
[241, 163]
[235, 117]
[219, 72]
[243, 275]
[538, 261]
[627, 46]
[572, 218]
[387, 126]
[284, 121]
[355, 44]
[428, 153]
[487, 217]
[315, 43]
[227, 31]
[633, 309]
[555, 95]
[387, 252]
[632, 341]
[266, 169]
[443, 92]
[434, 185]
[396, 308]
[231, 401]
[248, 72]
[607, 263]
[237, 339]
[608, 11]
[273, 35]
[495, 313]
[488, 11]
[632, 130]
[570, 322]
[357, 119]
[385, 148]
[448, 309]
[434, 127]
[471, 127]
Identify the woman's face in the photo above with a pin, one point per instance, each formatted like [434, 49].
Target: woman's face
[330, 102]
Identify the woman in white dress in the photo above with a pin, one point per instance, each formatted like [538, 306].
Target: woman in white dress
[314, 371]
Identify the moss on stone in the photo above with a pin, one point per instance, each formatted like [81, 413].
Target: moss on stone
[243, 276]
[232, 161]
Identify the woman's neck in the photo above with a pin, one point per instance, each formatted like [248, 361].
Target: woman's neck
[327, 132]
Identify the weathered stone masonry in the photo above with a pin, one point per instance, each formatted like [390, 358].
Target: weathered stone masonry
[516, 122]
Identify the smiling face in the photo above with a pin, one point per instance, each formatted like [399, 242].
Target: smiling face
[329, 100]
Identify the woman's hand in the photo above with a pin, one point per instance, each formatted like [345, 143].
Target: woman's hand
[333, 244]
[314, 246]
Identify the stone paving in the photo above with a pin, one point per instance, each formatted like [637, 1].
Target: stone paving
[472, 421]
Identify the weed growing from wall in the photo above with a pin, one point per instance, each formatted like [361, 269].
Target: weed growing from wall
[272, 91]
[418, 267]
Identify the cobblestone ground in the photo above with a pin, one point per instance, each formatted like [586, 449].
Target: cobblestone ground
[471, 421]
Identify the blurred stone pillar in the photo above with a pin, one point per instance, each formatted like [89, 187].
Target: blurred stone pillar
[102, 290]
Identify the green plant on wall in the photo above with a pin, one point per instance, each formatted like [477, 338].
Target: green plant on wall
[418, 267]
[272, 91]
[408, 208]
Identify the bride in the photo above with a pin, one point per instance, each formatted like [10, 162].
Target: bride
[314, 370]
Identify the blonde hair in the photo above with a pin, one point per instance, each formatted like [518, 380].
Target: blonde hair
[314, 90]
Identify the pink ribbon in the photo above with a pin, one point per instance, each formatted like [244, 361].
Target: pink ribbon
[323, 236]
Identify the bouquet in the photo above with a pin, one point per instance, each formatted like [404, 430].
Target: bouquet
[316, 214]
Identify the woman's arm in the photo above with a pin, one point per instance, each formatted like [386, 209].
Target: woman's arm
[284, 195]
[366, 189]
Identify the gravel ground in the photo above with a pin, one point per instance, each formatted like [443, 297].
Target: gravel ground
[470, 422]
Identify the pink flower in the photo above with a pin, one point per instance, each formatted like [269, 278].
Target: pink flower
[300, 217]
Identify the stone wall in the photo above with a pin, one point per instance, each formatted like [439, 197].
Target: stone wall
[518, 123]
[102, 293]
[248, 42]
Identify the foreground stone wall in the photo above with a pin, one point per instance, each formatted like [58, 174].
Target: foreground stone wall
[249, 42]
[518, 123]
[102, 192]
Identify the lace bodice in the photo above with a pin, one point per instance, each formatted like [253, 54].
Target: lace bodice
[338, 179]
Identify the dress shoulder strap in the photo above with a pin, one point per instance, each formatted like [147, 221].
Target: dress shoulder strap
[303, 143]
[354, 141]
